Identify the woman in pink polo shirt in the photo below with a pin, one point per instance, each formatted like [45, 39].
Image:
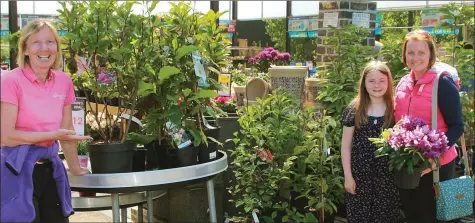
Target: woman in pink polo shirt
[413, 97]
[36, 111]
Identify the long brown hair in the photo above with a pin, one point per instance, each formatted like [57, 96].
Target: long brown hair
[362, 101]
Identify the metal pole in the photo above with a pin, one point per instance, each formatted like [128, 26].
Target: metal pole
[123, 215]
[140, 215]
[149, 206]
[234, 16]
[287, 36]
[13, 24]
[211, 201]
[115, 208]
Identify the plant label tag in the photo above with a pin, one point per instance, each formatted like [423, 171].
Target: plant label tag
[179, 136]
[212, 155]
[225, 81]
[199, 69]
[79, 115]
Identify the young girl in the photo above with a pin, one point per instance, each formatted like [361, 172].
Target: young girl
[371, 194]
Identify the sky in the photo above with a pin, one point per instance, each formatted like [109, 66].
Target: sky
[247, 10]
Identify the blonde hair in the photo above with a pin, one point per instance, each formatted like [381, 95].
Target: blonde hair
[30, 29]
[362, 101]
[420, 35]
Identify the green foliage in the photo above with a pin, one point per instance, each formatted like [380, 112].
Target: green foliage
[463, 60]
[398, 19]
[391, 54]
[82, 148]
[275, 29]
[460, 14]
[301, 49]
[114, 40]
[465, 65]
[298, 163]
[176, 96]
[318, 175]
[343, 73]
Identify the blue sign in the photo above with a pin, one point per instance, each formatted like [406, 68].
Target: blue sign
[303, 34]
[441, 31]
[7, 32]
[4, 32]
[62, 32]
[377, 31]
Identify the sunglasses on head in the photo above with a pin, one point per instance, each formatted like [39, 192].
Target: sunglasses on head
[422, 32]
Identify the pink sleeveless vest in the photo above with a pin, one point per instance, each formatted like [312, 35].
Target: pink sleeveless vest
[416, 100]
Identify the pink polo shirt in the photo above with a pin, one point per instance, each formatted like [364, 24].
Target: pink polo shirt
[40, 106]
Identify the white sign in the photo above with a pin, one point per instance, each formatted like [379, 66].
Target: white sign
[361, 19]
[330, 19]
[79, 115]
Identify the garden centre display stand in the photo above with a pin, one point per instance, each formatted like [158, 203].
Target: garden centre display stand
[291, 78]
[127, 189]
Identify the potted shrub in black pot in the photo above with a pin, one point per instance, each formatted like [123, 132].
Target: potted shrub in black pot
[180, 93]
[110, 50]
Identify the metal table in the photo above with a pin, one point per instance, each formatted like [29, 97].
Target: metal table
[151, 182]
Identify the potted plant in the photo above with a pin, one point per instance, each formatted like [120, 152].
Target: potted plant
[267, 57]
[118, 50]
[82, 154]
[239, 82]
[181, 91]
[262, 160]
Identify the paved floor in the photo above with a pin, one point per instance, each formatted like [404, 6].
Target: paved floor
[94, 216]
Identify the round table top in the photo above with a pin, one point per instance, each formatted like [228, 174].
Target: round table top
[148, 180]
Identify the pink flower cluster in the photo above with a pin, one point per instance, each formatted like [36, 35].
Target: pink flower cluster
[106, 78]
[222, 99]
[415, 133]
[270, 54]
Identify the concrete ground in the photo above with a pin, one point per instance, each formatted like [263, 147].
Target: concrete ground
[94, 216]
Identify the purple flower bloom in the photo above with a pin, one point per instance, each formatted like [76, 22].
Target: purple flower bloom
[101, 77]
[286, 56]
[413, 132]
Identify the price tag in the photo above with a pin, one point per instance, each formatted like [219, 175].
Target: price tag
[79, 115]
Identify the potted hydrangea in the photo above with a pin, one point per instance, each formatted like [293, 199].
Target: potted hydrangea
[267, 57]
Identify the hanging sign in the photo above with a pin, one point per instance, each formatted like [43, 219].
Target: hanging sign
[378, 23]
[360, 19]
[433, 17]
[302, 27]
[330, 19]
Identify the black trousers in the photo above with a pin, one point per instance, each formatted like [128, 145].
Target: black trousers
[419, 204]
[45, 196]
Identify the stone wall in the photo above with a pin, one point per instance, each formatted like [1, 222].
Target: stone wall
[345, 10]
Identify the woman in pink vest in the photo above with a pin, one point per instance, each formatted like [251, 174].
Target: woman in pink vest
[413, 97]
[36, 113]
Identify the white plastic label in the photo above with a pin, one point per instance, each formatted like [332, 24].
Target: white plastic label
[212, 155]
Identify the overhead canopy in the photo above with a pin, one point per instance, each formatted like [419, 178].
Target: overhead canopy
[247, 10]
[413, 5]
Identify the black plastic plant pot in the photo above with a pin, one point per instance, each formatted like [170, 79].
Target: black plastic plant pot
[187, 156]
[111, 158]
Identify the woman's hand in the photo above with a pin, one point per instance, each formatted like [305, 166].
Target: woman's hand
[70, 135]
[433, 167]
[79, 171]
[350, 185]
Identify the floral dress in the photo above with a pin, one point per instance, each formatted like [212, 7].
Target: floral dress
[376, 198]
